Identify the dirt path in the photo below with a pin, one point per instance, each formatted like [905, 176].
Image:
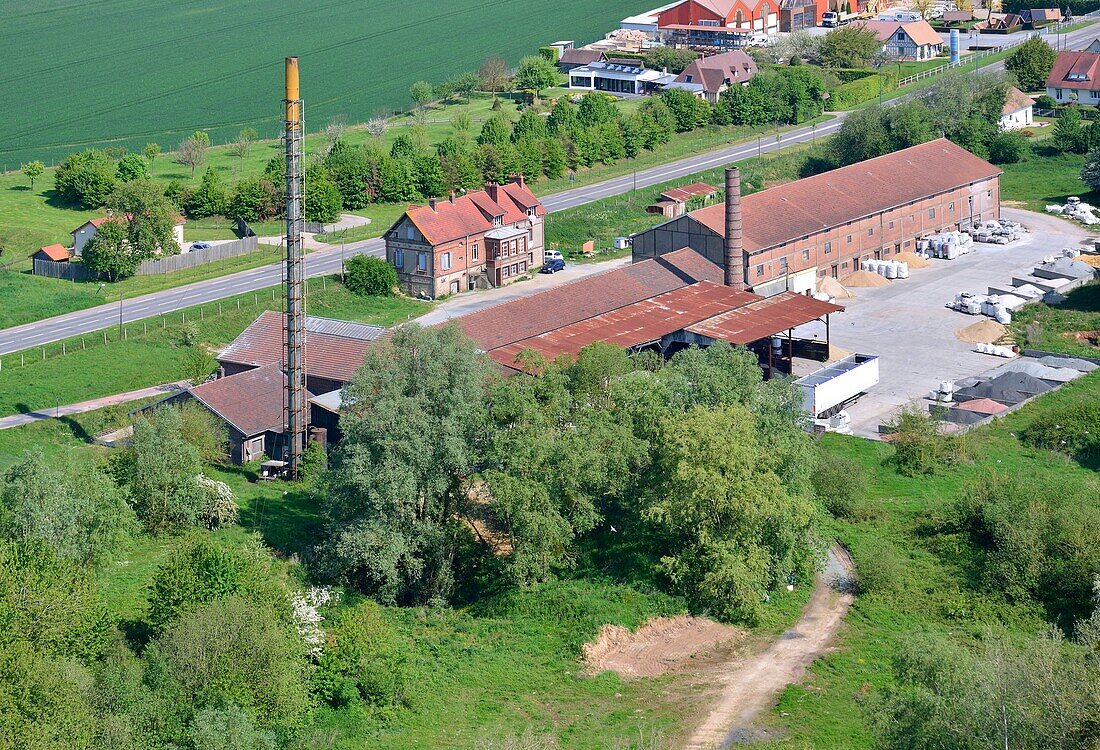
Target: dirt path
[753, 686]
[65, 410]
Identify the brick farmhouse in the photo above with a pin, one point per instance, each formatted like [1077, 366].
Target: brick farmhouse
[824, 225]
[480, 239]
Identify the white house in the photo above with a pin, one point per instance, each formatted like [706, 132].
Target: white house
[1075, 77]
[906, 40]
[1017, 111]
[87, 230]
[618, 77]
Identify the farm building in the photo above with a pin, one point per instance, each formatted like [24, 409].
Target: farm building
[575, 57]
[1017, 111]
[913, 40]
[717, 25]
[484, 238]
[1074, 78]
[673, 202]
[709, 76]
[824, 225]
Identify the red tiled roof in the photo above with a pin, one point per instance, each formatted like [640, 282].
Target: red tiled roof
[585, 298]
[329, 355]
[250, 401]
[982, 406]
[685, 193]
[921, 32]
[1016, 100]
[632, 325]
[814, 204]
[57, 253]
[764, 317]
[713, 71]
[1085, 64]
[473, 213]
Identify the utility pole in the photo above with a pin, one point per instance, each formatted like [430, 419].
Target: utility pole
[295, 274]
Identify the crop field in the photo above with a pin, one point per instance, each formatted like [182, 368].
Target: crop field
[127, 72]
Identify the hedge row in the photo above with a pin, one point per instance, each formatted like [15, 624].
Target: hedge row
[859, 90]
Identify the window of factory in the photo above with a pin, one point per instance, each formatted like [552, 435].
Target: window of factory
[828, 247]
[932, 212]
[474, 252]
[951, 206]
[760, 270]
[871, 232]
[805, 255]
[891, 225]
[445, 261]
[849, 239]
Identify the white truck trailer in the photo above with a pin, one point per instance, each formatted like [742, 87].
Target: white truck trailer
[837, 384]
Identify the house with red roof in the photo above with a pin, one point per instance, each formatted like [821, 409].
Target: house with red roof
[480, 239]
[56, 253]
[1018, 110]
[1075, 77]
[906, 40]
[707, 77]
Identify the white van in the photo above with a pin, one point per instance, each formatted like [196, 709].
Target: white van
[899, 15]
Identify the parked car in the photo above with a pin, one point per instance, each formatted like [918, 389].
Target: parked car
[552, 254]
[761, 40]
[552, 265]
[200, 246]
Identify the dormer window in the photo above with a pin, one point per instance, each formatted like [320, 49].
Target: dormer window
[687, 78]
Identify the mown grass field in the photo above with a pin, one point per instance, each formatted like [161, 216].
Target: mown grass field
[132, 72]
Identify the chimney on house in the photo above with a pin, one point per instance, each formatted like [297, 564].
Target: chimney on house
[733, 248]
[518, 179]
[491, 190]
[431, 202]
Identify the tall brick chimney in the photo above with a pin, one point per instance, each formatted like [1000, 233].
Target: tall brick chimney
[733, 248]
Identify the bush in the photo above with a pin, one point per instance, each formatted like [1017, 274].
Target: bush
[879, 568]
[85, 179]
[841, 485]
[860, 89]
[363, 661]
[370, 277]
[1073, 430]
[314, 462]
[1008, 148]
[1045, 101]
[920, 447]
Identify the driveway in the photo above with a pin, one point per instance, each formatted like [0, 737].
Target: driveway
[908, 326]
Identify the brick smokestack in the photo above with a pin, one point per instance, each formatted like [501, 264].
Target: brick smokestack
[733, 248]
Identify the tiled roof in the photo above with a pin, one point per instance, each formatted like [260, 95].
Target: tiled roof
[814, 204]
[473, 213]
[713, 71]
[57, 253]
[1075, 70]
[251, 401]
[334, 349]
[632, 325]
[919, 31]
[580, 56]
[585, 298]
[685, 193]
[1016, 100]
[955, 16]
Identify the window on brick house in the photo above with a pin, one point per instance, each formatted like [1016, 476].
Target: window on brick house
[805, 255]
[932, 212]
[871, 232]
[399, 259]
[849, 240]
[891, 225]
[474, 252]
[828, 247]
[783, 263]
[760, 270]
[445, 261]
[951, 206]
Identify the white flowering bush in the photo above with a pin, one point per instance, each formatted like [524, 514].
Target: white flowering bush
[220, 508]
[305, 607]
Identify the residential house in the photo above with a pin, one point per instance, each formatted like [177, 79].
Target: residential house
[1017, 111]
[716, 25]
[1094, 46]
[576, 57]
[1075, 77]
[1037, 18]
[484, 238]
[957, 16]
[912, 40]
[999, 23]
[707, 77]
[55, 253]
[87, 230]
[799, 232]
[673, 202]
[618, 76]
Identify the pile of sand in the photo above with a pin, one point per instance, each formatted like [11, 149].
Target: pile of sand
[834, 288]
[1092, 260]
[864, 278]
[913, 260]
[983, 332]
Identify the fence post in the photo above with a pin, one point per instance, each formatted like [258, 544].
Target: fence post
[21, 359]
[43, 352]
[145, 325]
[83, 344]
[202, 316]
[63, 352]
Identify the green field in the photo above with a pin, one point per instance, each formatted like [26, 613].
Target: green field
[127, 72]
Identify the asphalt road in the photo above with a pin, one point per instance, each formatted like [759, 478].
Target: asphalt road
[328, 261]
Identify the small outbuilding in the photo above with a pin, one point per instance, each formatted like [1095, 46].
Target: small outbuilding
[57, 253]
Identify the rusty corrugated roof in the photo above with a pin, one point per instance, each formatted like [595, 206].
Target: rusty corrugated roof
[763, 318]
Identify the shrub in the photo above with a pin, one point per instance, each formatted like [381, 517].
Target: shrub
[221, 509]
[1008, 148]
[314, 462]
[85, 178]
[920, 447]
[1045, 101]
[879, 568]
[371, 277]
[364, 662]
[841, 485]
[1073, 430]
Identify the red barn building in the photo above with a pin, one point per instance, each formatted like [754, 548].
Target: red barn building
[710, 25]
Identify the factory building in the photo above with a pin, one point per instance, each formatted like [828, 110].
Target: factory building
[791, 235]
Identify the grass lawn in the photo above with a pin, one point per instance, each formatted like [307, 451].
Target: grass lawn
[1067, 329]
[930, 581]
[1045, 178]
[150, 353]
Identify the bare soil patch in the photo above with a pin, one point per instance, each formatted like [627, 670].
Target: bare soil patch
[1088, 338]
[983, 332]
[661, 645]
[864, 278]
[1092, 260]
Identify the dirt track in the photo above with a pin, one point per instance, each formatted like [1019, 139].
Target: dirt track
[753, 685]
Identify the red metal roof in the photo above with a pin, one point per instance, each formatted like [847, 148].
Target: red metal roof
[632, 325]
[763, 318]
[815, 204]
[328, 354]
[57, 253]
[585, 298]
[251, 401]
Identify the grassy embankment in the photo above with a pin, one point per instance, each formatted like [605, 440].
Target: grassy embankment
[150, 353]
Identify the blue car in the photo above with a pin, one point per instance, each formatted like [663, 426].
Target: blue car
[200, 246]
[552, 265]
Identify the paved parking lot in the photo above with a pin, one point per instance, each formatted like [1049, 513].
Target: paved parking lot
[907, 325]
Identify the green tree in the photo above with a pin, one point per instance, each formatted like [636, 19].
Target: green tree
[192, 151]
[348, 167]
[227, 728]
[670, 59]
[150, 218]
[1031, 63]
[403, 147]
[1008, 148]
[32, 170]
[852, 46]
[863, 135]
[85, 179]
[553, 158]
[658, 123]
[254, 199]
[1090, 172]
[733, 529]
[1068, 135]
[201, 428]
[430, 178]
[688, 111]
[495, 131]
[530, 126]
[159, 470]
[321, 199]
[369, 276]
[466, 84]
[211, 198]
[411, 436]
[563, 117]
[364, 662]
[151, 152]
[536, 73]
[397, 180]
[132, 167]
[108, 254]
[421, 94]
[77, 513]
[596, 108]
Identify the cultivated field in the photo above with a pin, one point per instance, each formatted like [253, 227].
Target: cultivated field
[127, 72]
